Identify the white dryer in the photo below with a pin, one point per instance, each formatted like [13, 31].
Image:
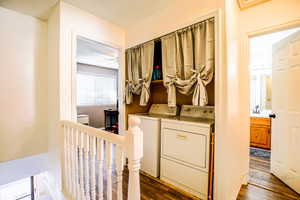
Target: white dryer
[185, 149]
[151, 127]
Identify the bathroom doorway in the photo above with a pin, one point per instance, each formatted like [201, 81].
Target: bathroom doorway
[274, 136]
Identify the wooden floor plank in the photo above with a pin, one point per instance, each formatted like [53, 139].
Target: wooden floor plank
[251, 192]
[263, 185]
[152, 189]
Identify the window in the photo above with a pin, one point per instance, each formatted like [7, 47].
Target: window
[261, 69]
[97, 86]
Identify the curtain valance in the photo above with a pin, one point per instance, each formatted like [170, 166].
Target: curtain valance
[139, 61]
[188, 62]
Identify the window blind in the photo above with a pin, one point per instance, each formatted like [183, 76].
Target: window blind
[96, 86]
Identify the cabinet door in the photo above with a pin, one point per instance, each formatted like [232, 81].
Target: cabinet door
[260, 137]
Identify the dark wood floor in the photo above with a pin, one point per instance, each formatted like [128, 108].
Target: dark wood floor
[263, 185]
[152, 189]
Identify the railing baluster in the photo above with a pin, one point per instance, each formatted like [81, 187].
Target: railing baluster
[81, 165]
[77, 149]
[66, 178]
[83, 145]
[119, 168]
[100, 168]
[69, 159]
[109, 169]
[87, 168]
[93, 170]
[72, 142]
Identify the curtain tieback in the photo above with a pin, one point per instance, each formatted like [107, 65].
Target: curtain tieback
[200, 95]
[197, 76]
[130, 86]
[145, 92]
[171, 80]
[144, 84]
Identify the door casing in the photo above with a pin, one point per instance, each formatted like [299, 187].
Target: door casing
[263, 31]
[121, 76]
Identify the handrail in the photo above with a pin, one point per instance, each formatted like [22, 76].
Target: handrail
[107, 136]
[83, 160]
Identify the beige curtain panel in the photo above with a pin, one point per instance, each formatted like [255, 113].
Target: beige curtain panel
[188, 62]
[139, 62]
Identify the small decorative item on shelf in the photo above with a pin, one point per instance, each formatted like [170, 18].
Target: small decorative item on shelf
[157, 73]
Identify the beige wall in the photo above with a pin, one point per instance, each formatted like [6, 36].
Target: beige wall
[74, 22]
[65, 22]
[231, 166]
[264, 17]
[271, 13]
[23, 86]
[232, 160]
[53, 101]
[95, 113]
[233, 97]
[176, 15]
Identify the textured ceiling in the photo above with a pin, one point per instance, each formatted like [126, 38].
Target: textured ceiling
[120, 12]
[97, 54]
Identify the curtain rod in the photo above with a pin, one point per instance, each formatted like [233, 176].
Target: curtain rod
[159, 38]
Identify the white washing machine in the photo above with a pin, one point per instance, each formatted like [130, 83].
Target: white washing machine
[185, 149]
[151, 126]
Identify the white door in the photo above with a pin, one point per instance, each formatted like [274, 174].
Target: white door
[285, 159]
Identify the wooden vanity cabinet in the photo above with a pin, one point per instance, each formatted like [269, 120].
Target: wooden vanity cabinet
[260, 132]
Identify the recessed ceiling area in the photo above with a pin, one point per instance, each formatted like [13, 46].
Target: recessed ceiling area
[97, 54]
[121, 12]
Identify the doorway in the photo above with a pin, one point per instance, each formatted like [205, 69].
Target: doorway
[274, 116]
[97, 80]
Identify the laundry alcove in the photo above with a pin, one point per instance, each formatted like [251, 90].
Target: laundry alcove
[159, 94]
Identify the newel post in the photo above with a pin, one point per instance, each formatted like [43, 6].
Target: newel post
[134, 150]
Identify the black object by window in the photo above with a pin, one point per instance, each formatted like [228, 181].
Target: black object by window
[111, 120]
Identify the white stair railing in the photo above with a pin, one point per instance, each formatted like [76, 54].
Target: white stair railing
[91, 155]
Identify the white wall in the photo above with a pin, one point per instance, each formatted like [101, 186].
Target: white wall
[262, 18]
[76, 22]
[54, 172]
[232, 161]
[65, 22]
[232, 146]
[176, 15]
[23, 86]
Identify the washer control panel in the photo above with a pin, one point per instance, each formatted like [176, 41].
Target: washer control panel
[206, 112]
[163, 109]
